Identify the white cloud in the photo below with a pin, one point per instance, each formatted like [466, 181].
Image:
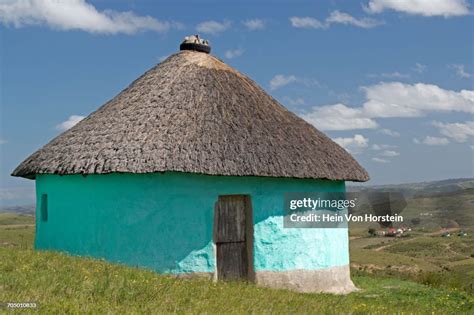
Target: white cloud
[390, 153]
[353, 145]
[380, 160]
[416, 141]
[254, 24]
[306, 22]
[383, 155]
[460, 72]
[395, 74]
[389, 132]
[459, 132]
[338, 117]
[420, 68]
[3, 141]
[396, 99]
[336, 17]
[310, 82]
[281, 80]
[294, 101]
[444, 8]
[72, 120]
[229, 54]
[390, 75]
[378, 147]
[435, 141]
[77, 15]
[213, 27]
[344, 18]
[392, 99]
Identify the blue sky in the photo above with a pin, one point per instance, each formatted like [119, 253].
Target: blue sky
[392, 82]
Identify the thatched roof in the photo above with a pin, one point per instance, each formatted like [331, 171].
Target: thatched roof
[193, 113]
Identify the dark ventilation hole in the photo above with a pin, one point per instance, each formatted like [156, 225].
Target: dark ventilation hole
[44, 208]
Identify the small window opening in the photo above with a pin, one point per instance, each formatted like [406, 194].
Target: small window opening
[44, 207]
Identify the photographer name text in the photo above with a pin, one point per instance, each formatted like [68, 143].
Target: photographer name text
[312, 217]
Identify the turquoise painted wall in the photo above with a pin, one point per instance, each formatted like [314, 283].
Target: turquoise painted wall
[164, 221]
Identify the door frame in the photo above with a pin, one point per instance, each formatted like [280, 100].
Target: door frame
[249, 236]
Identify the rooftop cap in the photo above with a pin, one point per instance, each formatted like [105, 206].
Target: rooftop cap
[194, 42]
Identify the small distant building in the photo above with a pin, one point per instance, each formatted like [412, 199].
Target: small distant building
[391, 232]
[184, 172]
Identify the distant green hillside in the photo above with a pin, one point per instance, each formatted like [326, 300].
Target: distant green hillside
[24, 209]
[13, 218]
[434, 205]
[431, 187]
[447, 209]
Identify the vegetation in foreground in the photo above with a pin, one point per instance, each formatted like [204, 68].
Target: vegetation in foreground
[16, 231]
[424, 256]
[58, 283]
[427, 258]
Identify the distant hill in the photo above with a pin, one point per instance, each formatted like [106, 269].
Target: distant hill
[421, 188]
[444, 203]
[25, 209]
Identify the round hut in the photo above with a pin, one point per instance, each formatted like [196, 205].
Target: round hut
[185, 171]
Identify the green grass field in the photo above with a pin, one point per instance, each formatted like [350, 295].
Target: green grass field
[16, 219]
[16, 231]
[422, 257]
[60, 283]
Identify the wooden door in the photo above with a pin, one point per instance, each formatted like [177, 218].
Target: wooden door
[233, 231]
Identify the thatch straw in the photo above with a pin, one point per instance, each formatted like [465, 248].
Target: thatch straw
[193, 113]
